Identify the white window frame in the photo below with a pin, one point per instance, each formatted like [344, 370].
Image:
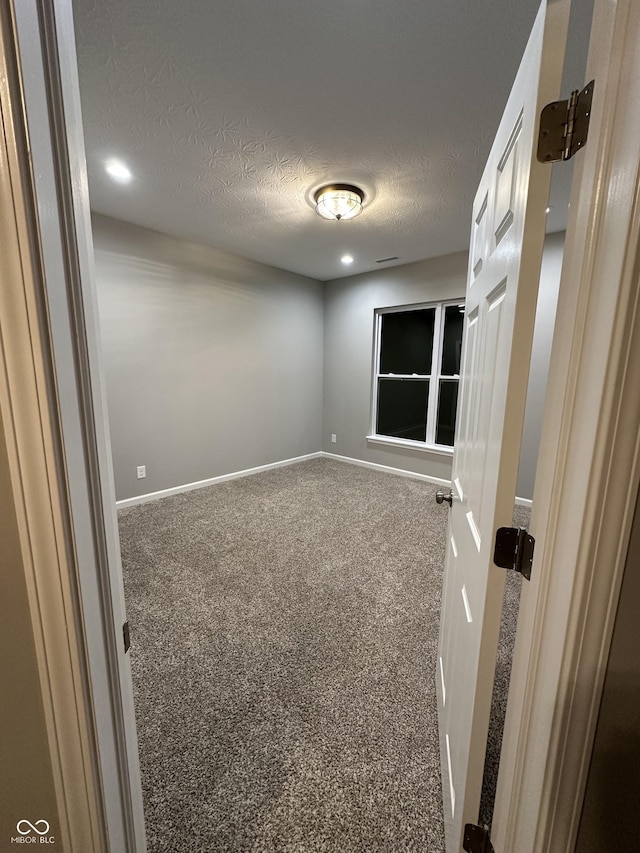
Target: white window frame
[434, 377]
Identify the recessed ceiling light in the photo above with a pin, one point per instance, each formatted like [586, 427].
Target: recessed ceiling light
[346, 259]
[549, 209]
[118, 171]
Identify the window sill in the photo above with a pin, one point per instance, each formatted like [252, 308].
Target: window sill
[410, 445]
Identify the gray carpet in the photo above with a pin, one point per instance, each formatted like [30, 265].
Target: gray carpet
[284, 637]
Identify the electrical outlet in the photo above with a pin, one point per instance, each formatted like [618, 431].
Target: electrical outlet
[333, 438]
[141, 471]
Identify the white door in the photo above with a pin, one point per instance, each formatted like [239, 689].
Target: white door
[504, 265]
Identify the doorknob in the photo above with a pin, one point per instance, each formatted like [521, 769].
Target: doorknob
[441, 497]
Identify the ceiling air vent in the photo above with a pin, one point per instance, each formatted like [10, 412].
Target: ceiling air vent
[386, 260]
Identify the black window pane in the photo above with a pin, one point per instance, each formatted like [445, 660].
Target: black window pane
[452, 342]
[407, 341]
[447, 403]
[402, 408]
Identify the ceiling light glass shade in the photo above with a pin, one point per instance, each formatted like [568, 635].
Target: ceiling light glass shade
[338, 201]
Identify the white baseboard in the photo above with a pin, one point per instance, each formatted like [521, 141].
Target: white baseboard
[524, 502]
[400, 472]
[201, 484]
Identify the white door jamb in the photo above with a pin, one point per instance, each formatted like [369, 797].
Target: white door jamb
[59, 385]
[588, 471]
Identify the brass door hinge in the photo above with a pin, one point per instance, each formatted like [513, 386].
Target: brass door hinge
[564, 126]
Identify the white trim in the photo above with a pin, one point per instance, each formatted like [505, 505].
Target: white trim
[56, 164]
[433, 378]
[223, 478]
[588, 467]
[420, 446]
[39, 485]
[523, 502]
[400, 472]
[377, 325]
[248, 472]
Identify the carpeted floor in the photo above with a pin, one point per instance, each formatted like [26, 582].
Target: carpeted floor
[284, 635]
[284, 638]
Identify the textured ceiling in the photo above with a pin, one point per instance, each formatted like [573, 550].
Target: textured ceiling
[230, 112]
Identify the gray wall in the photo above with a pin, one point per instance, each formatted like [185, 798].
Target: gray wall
[348, 356]
[213, 363]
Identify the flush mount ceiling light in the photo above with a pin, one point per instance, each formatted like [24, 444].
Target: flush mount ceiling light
[338, 201]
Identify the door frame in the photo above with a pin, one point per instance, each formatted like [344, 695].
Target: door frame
[588, 470]
[53, 398]
[566, 619]
[36, 489]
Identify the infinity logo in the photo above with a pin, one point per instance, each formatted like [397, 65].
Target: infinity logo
[32, 827]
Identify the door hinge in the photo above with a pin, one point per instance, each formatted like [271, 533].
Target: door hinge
[477, 839]
[564, 126]
[514, 550]
[127, 636]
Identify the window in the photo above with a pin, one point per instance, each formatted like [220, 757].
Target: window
[417, 367]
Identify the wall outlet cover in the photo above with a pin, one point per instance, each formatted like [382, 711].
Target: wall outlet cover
[333, 438]
[142, 471]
